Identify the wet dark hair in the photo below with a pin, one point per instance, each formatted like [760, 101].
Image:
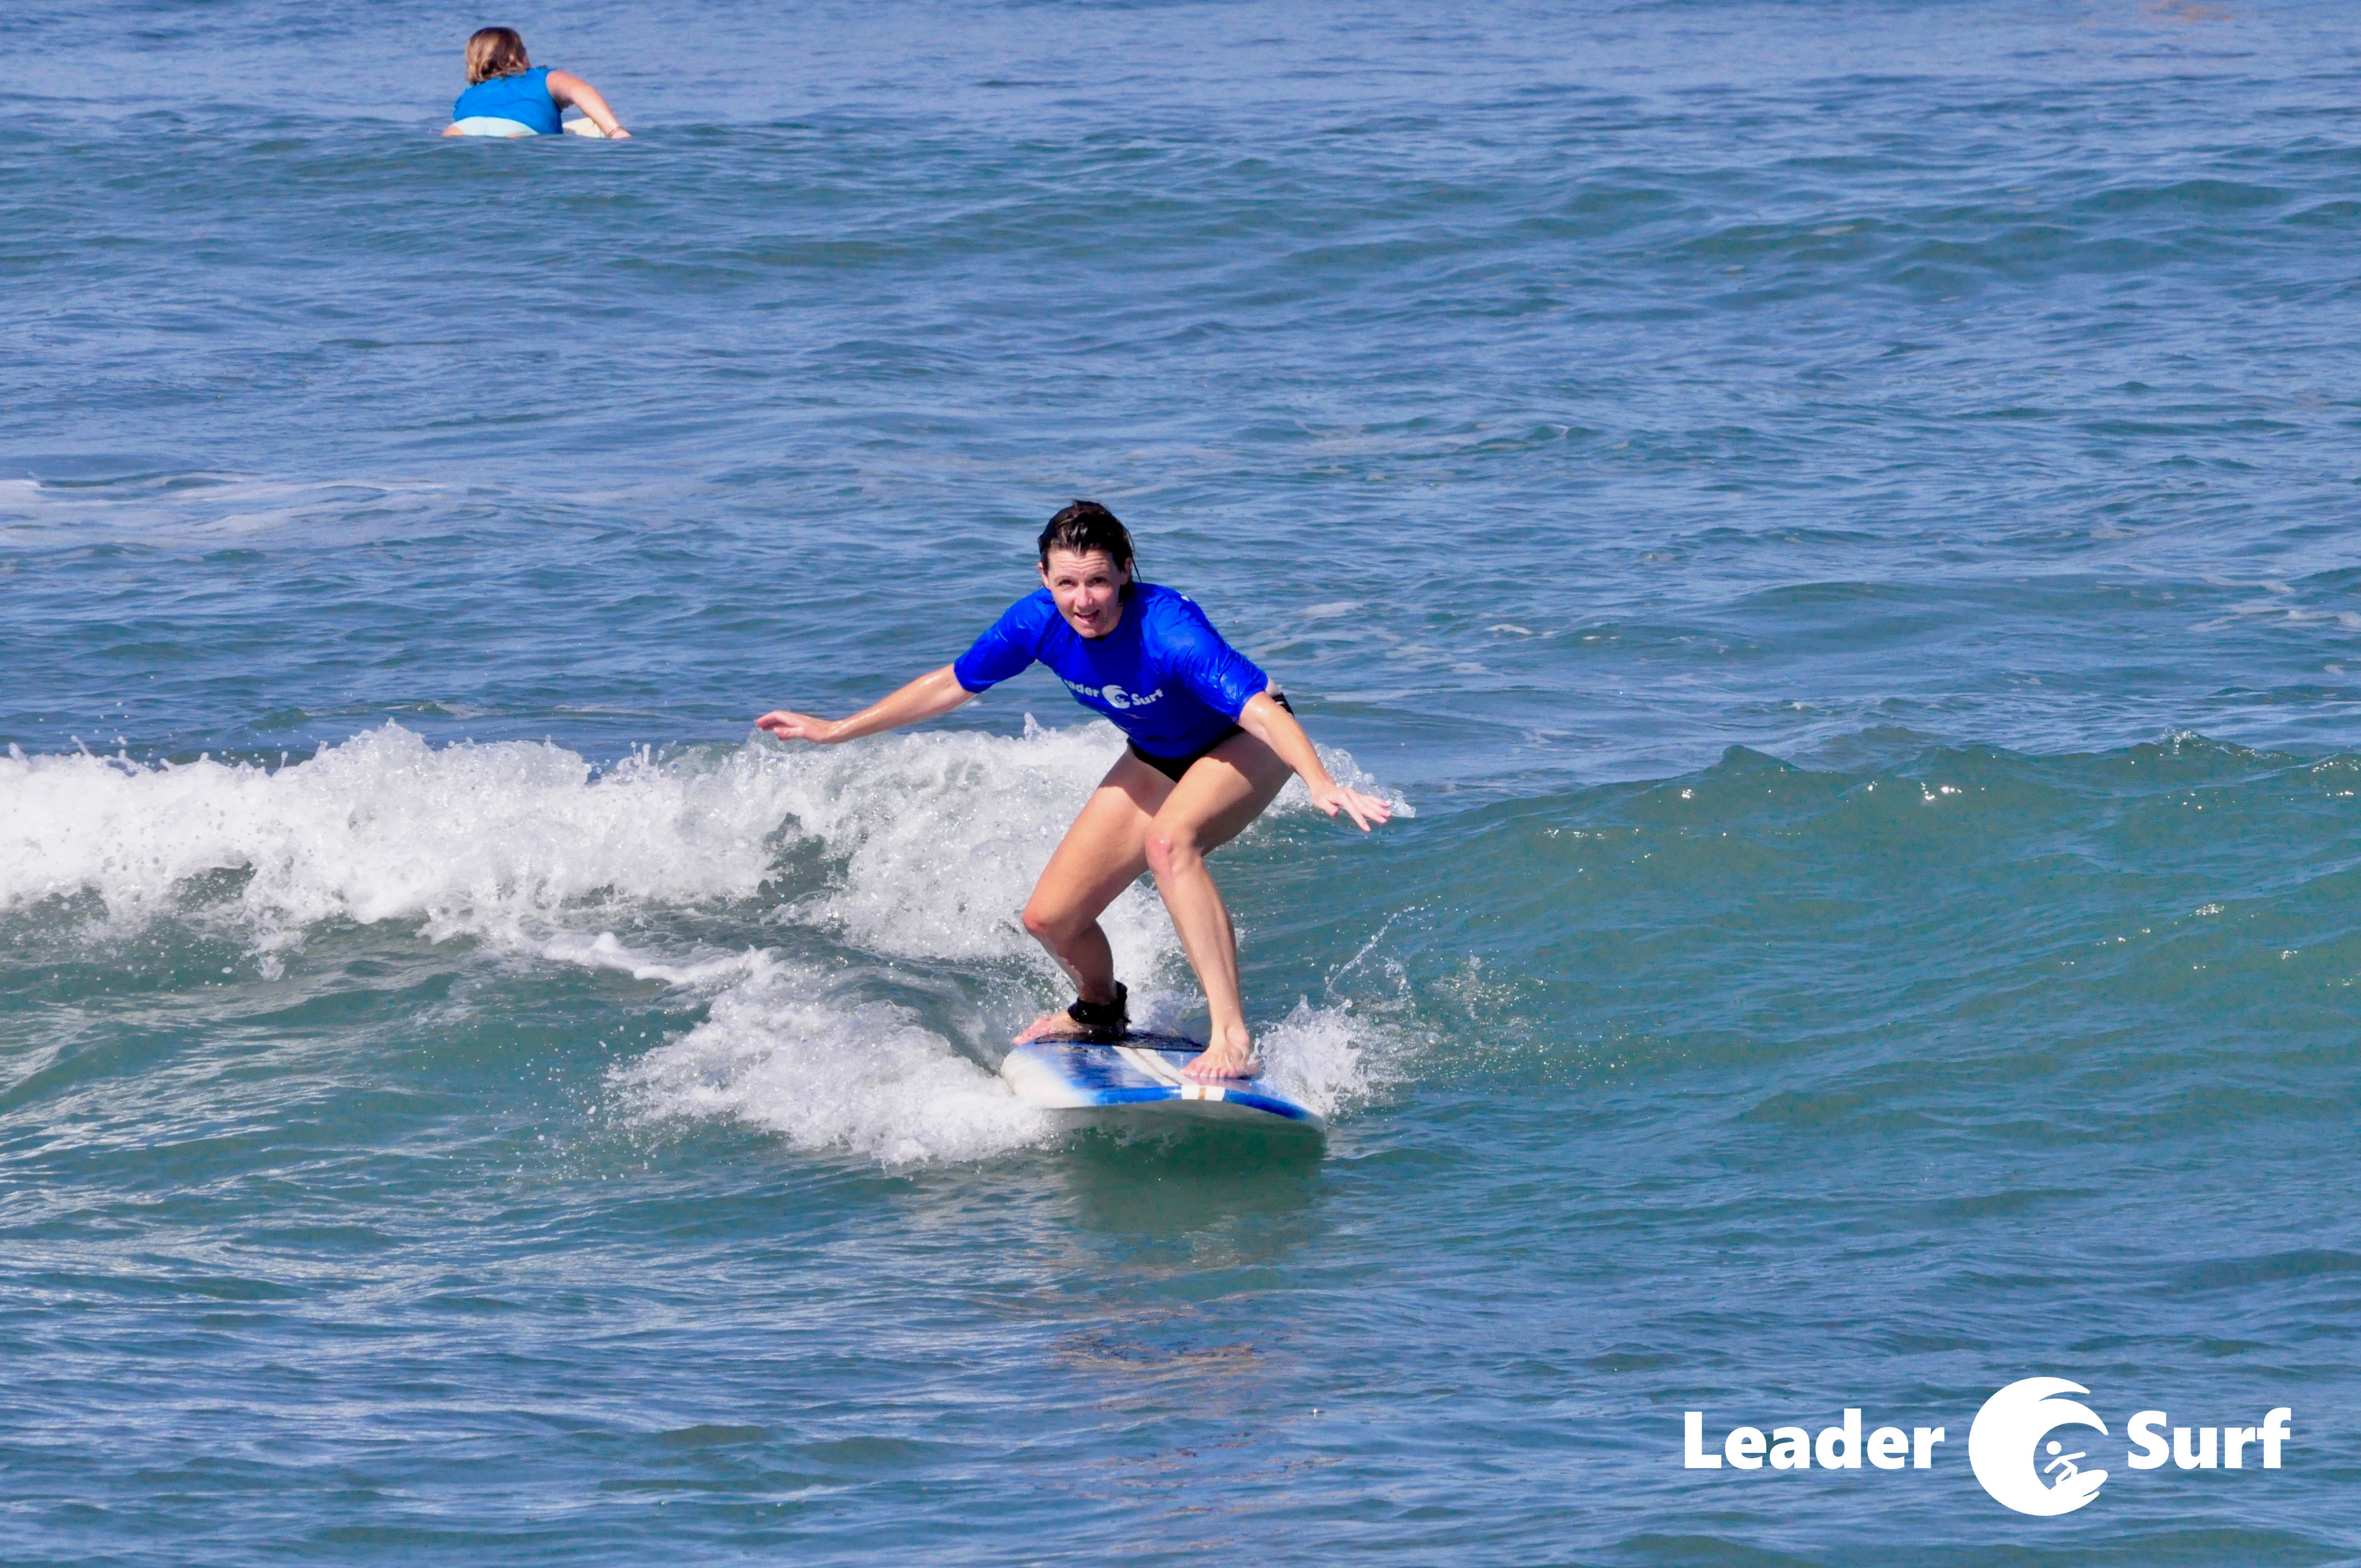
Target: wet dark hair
[1083, 527]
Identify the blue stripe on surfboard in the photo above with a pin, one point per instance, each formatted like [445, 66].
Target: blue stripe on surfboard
[1092, 1075]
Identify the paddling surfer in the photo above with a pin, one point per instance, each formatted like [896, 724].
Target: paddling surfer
[507, 95]
[1211, 741]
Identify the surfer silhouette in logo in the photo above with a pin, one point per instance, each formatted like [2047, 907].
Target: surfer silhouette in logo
[1211, 741]
[2065, 1466]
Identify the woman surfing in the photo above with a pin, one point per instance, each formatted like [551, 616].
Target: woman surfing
[1211, 741]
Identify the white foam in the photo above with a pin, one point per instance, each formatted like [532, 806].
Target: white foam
[482, 840]
[603, 951]
[776, 1053]
[929, 844]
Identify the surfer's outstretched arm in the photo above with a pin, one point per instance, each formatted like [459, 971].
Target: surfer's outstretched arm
[1276, 727]
[930, 696]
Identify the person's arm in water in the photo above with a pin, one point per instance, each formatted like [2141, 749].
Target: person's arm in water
[571, 91]
[930, 696]
[1276, 727]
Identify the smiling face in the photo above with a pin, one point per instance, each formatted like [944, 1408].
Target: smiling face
[1088, 586]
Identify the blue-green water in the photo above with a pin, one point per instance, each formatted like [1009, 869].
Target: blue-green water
[1836, 518]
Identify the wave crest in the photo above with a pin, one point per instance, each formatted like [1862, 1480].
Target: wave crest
[473, 840]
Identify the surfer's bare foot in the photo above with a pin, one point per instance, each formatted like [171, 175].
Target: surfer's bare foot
[1058, 1026]
[1231, 1057]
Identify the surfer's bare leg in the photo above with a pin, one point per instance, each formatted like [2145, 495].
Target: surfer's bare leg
[1213, 803]
[1103, 853]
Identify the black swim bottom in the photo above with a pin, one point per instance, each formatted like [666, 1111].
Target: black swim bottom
[1173, 767]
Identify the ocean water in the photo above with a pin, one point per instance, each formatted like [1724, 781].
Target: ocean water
[1835, 518]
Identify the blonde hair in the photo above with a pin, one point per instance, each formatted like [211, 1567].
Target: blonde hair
[495, 52]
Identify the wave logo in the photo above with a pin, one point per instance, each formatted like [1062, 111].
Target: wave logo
[2012, 1426]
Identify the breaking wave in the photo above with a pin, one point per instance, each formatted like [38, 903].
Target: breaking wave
[914, 848]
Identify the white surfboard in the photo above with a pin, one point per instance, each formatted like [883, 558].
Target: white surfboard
[493, 125]
[1141, 1073]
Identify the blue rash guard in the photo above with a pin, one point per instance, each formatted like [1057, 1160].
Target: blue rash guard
[1164, 676]
[523, 97]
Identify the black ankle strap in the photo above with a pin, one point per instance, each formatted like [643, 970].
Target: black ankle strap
[1111, 1015]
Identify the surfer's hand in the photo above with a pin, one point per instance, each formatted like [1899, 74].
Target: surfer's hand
[1365, 810]
[789, 725]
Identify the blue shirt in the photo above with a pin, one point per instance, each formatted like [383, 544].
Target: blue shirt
[1163, 675]
[524, 98]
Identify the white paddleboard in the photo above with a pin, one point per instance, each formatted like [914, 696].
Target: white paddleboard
[1141, 1073]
